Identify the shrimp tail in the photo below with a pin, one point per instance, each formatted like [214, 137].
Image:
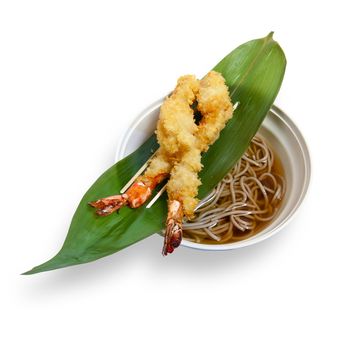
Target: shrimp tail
[173, 232]
[109, 205]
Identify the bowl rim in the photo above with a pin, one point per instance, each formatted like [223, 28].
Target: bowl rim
[295, 131]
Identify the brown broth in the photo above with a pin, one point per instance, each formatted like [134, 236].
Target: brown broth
[238, 235]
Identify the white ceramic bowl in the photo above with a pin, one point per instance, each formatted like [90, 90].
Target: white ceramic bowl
[284, 137]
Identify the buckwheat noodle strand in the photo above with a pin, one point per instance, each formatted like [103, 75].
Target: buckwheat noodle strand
[243, 202]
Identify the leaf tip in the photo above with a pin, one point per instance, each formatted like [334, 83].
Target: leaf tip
[32, 271]
[26, 273]
[58, 261]
[270, 35]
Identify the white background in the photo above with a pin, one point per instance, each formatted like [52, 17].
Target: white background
[73, 74]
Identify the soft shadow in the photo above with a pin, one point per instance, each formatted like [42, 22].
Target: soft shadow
[185, 262]
[198, 263]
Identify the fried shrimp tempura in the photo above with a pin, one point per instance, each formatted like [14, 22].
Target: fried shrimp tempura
[176, 132]
[175, 127]
[215, 105]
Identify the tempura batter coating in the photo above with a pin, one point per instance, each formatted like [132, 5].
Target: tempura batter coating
[184, 181]
[159, 164]
[176, 128]
[215, 105]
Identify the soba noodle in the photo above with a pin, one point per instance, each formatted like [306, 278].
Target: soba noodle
[243, 202]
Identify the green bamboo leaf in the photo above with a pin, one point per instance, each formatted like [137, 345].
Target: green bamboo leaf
[254, 73]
